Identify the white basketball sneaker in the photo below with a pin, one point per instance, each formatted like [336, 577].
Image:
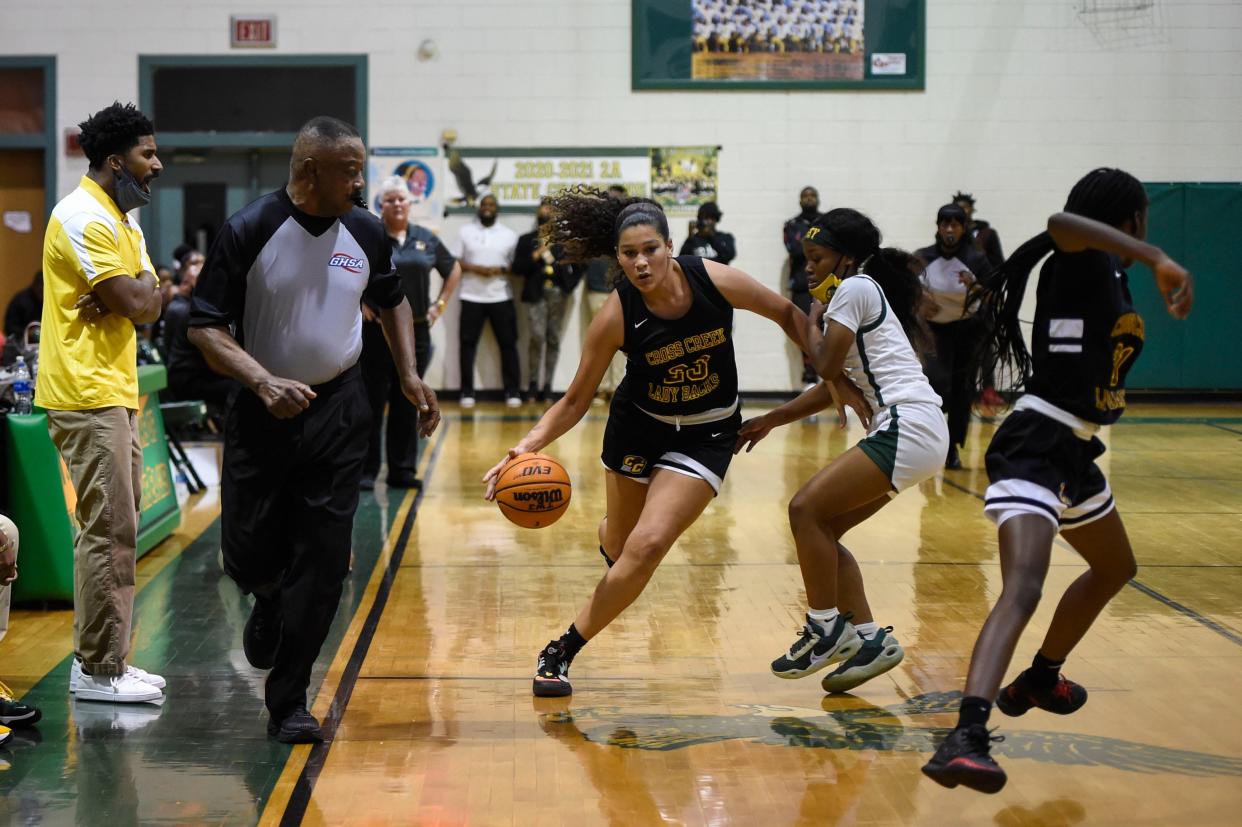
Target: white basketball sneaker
[117, 689]
[75, 672]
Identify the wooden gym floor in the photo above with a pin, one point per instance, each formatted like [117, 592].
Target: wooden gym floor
[425, 681]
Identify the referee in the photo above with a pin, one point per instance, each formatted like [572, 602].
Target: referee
[276, 307]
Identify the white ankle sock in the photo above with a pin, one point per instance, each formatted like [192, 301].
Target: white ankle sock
[867, 630]
[824, 617]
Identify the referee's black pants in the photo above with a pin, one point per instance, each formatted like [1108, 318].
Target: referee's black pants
[288, 492]
[952, 371]
[379, 373]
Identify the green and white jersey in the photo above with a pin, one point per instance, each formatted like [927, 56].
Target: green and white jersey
[881, 361]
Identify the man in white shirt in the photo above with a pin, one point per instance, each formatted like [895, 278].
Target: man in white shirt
[485, 249]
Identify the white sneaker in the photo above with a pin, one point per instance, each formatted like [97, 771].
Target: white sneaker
[467, 401]
[513, 402]
[117, 689]
[143, 675]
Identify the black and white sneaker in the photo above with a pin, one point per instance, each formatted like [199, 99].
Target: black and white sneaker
[552, 673]
[876, 656]
[817, 647]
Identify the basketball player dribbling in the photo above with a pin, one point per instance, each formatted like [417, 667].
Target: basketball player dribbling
[674, 419]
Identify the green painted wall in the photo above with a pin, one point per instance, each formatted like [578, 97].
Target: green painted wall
[1199, 225]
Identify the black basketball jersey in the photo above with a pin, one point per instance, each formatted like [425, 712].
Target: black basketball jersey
[1087, 335]
[684, 366]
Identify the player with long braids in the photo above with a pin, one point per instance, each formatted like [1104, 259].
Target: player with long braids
[1041, 463]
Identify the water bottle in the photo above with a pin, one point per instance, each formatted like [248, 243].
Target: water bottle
[23, 390]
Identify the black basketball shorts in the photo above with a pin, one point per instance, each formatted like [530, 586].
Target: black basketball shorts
[1037, 465]
[635, 444]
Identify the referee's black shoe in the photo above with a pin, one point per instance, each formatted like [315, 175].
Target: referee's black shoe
[297, 727]
[261, 637]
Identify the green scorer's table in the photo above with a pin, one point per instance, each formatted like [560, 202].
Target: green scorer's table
[42, 500]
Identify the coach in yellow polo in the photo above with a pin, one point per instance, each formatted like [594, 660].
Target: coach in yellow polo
[98, 282]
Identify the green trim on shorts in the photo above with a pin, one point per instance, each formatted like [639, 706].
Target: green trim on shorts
[881, 448]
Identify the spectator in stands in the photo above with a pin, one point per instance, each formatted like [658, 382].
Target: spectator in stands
[981, 232]
[953, 265]
[599, 283]
[416, 251]
[707, 241]
[545, 295]
[485, 249]
[25, 307]
[795, 229]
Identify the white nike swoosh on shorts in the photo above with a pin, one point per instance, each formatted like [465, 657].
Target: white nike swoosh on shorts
[639, 324]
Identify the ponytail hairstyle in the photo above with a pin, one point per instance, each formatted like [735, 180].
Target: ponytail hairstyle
[896, 271]
[1110, 196]
[586, 222]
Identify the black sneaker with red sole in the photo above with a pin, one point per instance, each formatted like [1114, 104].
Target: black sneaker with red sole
[963, 759]
[1062, 698]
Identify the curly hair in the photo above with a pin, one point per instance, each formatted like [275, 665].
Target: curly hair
[587, 222]
[113, 130]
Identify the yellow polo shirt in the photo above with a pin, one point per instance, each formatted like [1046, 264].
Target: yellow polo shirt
[84, 365]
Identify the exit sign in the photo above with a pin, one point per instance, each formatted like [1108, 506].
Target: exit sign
[252, 32]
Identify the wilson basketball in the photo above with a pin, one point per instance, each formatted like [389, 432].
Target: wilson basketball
[533, 490]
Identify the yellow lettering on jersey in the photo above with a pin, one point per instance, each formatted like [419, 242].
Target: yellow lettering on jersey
[702, 341]
[665, 354]
[1120, 354]
[1128, 323]
[1106, 400]
[691, 392]
[662, 393]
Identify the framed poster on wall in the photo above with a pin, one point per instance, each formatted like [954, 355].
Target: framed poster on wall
[778, 44]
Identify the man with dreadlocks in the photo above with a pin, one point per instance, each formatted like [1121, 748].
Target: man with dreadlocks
[1041, 463]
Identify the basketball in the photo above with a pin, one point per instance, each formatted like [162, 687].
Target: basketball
[533, 490]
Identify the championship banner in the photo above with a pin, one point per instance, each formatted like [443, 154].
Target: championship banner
[682, 178]
[422, 168]
[518, 178]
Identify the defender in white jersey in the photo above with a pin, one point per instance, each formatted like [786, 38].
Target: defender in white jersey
[869, 363]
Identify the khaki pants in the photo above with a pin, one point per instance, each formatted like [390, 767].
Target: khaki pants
[101, 449]
[6, 592]
[616, 370]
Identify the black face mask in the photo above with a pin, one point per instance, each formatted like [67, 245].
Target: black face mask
[487, 220]
[809, 213]
[127, 192]
[543, 219]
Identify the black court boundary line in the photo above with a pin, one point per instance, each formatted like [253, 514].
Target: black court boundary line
[300, 798]
[1223, 427]
[1181, 609]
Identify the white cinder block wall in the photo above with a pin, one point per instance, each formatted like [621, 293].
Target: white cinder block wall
[1022, 97]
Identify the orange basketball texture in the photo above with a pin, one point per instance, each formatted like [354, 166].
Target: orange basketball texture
[533, 490]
